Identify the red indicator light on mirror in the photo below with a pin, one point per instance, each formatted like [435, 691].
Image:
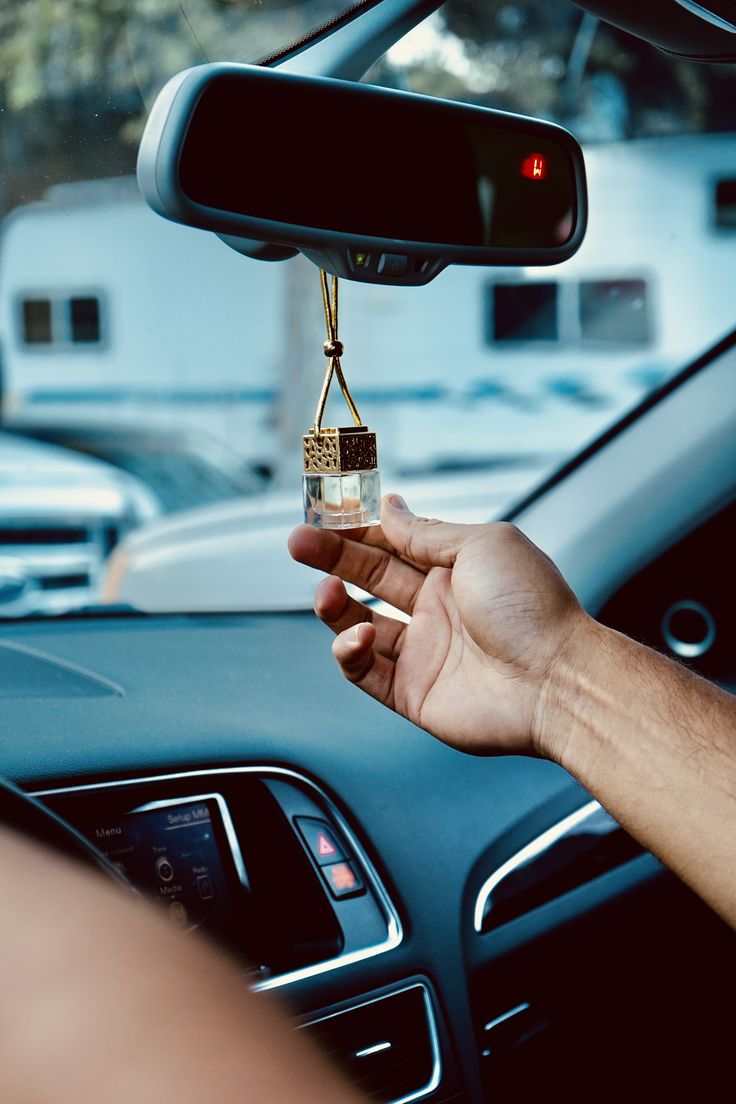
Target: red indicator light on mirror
[534, 167]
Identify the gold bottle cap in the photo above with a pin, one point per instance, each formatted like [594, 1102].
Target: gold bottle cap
[347, 449]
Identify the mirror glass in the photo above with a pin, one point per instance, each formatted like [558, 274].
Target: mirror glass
[351, 158]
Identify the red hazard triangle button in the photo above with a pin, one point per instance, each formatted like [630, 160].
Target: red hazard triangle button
[324, 847]
[321, 840]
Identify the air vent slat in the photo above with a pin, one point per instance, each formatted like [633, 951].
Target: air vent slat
[407, 1067]
[44, 535]
[62, 582]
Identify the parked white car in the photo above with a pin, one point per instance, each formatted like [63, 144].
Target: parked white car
[60, 516]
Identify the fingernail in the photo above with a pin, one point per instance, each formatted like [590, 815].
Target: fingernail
[351, 634]
[396, 502]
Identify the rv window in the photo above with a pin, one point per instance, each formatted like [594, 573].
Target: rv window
[614, 311]
[37, 321]
[84, 319]
[524, 312]
[726, 204]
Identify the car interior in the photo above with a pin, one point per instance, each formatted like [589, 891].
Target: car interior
[447, 928]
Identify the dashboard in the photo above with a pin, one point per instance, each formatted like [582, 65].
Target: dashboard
[526, 937]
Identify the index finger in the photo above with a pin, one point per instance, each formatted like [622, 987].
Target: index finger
[372, 567]
[375, 537]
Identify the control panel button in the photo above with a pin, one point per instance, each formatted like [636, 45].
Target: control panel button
[320, 840]
[360, 260]
[392, 264]
[178, 914]
[164, 869]
[342, 879]
[205, 887]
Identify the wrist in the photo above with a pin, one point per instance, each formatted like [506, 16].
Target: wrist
[569, 680]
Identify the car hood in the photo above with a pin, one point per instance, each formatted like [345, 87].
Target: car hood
[42, 480]
[234, 556]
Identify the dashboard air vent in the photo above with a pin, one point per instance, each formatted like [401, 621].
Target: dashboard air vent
[387, 1046]
[584, 845]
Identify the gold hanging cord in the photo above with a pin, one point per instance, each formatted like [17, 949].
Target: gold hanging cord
[333, 349]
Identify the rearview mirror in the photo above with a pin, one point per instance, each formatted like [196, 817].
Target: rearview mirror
[372, 184]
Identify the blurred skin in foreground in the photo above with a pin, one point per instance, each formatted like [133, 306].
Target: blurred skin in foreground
[104, 1000]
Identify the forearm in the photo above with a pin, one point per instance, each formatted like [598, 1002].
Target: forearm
[656, 744]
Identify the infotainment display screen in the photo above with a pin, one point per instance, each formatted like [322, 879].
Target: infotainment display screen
[179, 854]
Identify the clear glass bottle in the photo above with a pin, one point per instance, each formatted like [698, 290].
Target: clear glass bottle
[342, 484]
[344, 500]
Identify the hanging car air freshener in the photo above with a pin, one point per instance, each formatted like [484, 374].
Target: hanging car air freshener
[342, 484]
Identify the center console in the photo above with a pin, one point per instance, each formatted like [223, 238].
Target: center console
[258, 858]
[261, 860]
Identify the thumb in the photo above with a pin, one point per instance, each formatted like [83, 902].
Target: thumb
[427, 542]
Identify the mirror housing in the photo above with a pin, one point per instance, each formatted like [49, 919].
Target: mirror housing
[369, 183]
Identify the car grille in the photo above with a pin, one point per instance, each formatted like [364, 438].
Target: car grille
[61, 563]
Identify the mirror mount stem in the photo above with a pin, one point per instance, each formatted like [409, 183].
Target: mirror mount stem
[344, 53]
[348, 51]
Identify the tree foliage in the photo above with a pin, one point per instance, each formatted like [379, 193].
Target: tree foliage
[76, 76]
[545, 57]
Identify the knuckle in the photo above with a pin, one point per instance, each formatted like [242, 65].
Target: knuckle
[508, 530]
[357, 670]
[398, 642]
[413, 545]
[377, 573]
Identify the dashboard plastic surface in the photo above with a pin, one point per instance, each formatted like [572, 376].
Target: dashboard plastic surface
[211, 691]
[206, 692]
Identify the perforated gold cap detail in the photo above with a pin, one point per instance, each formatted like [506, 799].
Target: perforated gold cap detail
[332, 450]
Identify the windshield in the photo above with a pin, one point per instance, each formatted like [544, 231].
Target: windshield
[156, 384]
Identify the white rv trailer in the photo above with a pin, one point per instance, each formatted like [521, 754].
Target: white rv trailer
[108, 312]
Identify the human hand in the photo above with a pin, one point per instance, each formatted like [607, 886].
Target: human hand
[491, 617]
